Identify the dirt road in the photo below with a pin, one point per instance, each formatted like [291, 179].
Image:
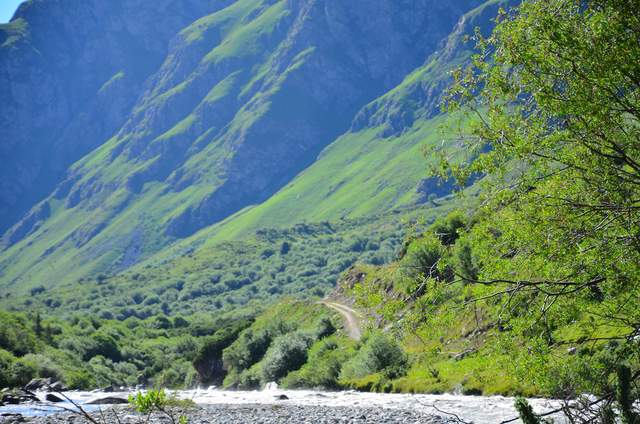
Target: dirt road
[351, 318]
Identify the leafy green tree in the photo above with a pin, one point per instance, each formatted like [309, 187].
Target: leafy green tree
[553, 97]
[248, 349]
[447, 228]
[38, 324]
[103, 345]
[6, 363]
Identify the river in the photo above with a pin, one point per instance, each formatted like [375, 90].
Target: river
[475, 409]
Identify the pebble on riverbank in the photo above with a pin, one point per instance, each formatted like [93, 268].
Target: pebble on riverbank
[264, 414]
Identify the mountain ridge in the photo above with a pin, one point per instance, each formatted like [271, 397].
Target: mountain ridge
[176, 166]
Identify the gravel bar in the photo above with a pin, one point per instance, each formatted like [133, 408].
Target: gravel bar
[259, 414]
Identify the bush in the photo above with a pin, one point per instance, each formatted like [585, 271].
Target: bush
[323, 367]
[526, 412]
[465, 261]
[423, 257]
[160, 323]
[250, 379]
[78, 379]
[179, 322]
[104, 345]
[208, 359]
[324, 328]
[37, 290]
[23, 371]
[446, 229]
[45, 367]
[16, 335]
[247, 350]
[6, 365]
[379, 354]
[288, 353]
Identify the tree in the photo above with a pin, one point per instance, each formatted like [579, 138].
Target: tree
[553, 97]
[104, 345]
[38, 324]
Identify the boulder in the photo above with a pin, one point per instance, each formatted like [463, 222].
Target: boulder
[56, 387]
[11, 418]
[53, 398]
[38, 384]
[10, 399]
[282, 397]
[19, 396]
[109, 400]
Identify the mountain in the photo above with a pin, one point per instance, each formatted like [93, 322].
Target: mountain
[171, 123]
[70, 72]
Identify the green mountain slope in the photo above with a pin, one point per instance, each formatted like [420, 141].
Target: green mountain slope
[245, 100]
[360, 193]
[378, 166]
[70, 72]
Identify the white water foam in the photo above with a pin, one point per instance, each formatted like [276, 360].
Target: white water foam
[476, 409]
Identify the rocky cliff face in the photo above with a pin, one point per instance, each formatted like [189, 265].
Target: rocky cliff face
[178, 114]
[70, 72]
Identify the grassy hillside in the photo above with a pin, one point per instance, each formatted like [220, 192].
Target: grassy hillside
[304, 260]
[235, 112]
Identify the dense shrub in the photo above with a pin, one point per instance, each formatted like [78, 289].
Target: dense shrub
[324, 328]
[37, 290]
[16, 334]
[78, 379]
[43, 365]
[22, 371]
[208, 359]
[423, 257]
[288, 353]
[103, 345]
[379, 354]
[161, 322]
[447, 229]
[322, 370]
[6, 365]
[179, 322]
[248, 349]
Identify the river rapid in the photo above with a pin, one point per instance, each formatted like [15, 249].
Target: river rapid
[470, 409]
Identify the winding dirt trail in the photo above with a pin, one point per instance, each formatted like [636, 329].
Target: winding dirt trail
[351, 318]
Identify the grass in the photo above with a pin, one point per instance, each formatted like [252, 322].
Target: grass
[246, 40]
[224, 21]
[114, 79]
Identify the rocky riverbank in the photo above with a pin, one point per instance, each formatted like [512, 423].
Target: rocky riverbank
[257, 413]
[273, 405]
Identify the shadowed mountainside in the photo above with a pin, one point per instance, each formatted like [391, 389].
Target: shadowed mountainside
[245, 99]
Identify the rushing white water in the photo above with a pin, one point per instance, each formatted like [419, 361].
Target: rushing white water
[476, 409]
